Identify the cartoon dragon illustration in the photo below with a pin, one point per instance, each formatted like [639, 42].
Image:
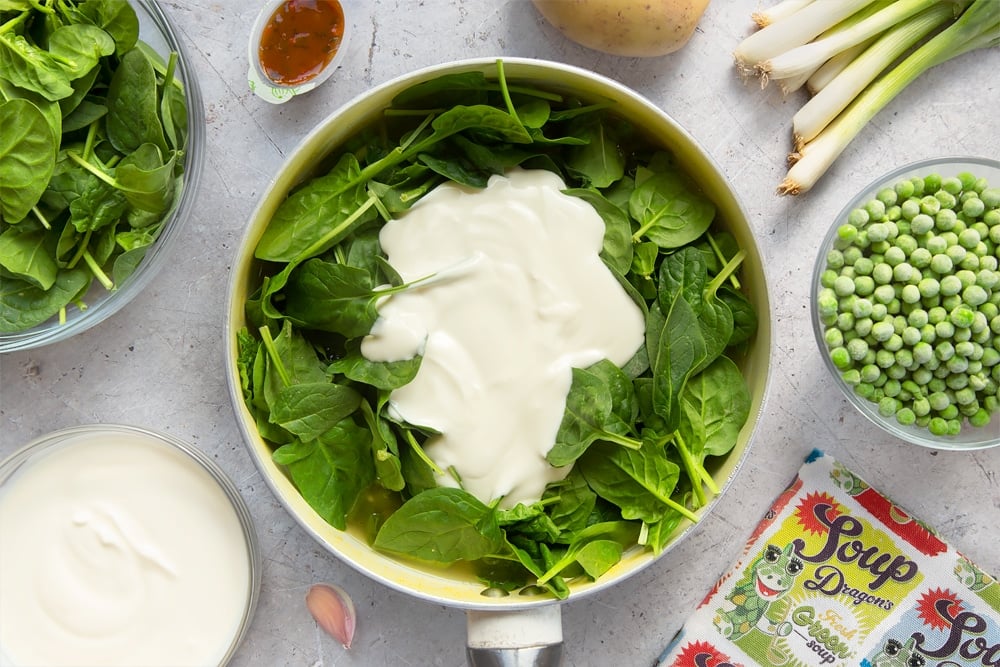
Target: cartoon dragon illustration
[895, 654]
[769, 579]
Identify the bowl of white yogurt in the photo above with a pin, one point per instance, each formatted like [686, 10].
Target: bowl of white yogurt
[488, 303]
[122, 546]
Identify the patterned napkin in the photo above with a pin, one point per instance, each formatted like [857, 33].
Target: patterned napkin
[835, 574]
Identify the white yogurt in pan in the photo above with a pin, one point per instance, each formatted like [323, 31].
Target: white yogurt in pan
[117, 549]
[520, 297]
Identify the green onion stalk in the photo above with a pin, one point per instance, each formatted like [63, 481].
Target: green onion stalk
[978, 27]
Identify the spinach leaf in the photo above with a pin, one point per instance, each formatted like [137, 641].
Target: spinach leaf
[133, 113]
[640, 482]
[716, 405]
[308, 410]
[32, 68]
[587, 419]
[331, 471]
[27, 254]
[441, 525]
[600, 163]
[98, 205]
[682, 275]
[27, 158]
[117, 18]
[744, 315]
[24, 305]
[386, 375]
[670, 212]
[80, 47]
[332, 297]
[679, 350]
[324, 209]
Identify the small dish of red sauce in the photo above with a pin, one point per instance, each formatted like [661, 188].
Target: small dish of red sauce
[296, 45]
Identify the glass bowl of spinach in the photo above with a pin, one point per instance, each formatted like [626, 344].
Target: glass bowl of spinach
[313, 412]
[103, 142]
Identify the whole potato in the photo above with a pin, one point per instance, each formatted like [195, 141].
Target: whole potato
[636, 28]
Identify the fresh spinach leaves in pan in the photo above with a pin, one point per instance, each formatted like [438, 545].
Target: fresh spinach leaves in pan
[637, 437]
[91, 155]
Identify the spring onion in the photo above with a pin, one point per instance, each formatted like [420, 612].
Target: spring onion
[854, 57]
[977, 27]
[809, 57]
[795, 30]
[824, 106]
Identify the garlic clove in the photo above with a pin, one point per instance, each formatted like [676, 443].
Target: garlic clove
[333, 610]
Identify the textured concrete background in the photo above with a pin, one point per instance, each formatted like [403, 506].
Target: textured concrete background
[159, 362]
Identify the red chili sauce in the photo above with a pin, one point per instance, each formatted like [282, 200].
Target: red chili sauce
[300, 39]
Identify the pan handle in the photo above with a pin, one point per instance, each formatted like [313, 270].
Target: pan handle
[526, 638]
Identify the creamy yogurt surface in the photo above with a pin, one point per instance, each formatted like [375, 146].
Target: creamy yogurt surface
[518, 298]
[118, 550]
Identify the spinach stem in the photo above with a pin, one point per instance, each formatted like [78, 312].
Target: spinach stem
[726, 271]
[692, 469]
[98, 273]
[419, 451]
[41, 217]
[82, 249]
[92, 169]
[272, 353]
[623, 440]
[722, 258]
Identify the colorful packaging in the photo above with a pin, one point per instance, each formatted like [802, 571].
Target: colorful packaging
[836, 574]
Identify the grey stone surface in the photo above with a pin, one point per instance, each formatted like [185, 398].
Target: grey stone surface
[159, 362]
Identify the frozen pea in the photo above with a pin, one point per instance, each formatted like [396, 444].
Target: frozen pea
[957, 364]
[894, 255]
[857, 348]
[991, 197]
[904, 189]
[966, 277]
[936, 314]
[896, 372]
[945, 219]
[922, 352]
[928, 287]
[980, 419]
[974, 295]
[863, 326]
[944, 329]
[882, 274]
[962, 317]
[970, 262]
[957, 253]
[884, 294]
[877, 232]
[920, 223]
[943, 350]
[920, 258]
[882, 331]
[862, 308]
[858, 217]
[988, 280]
[827, 277]
[843, 286]
[910, 336]
[952, 185]
[894, 343]
[851, 376]
[938, 426]
[834, 337]
[930, 205]
[834, 259]
[950, 285]
[884, 358]
[875, 209]
[847, 233]
[840, 357]
[945, 199]
[852, 254]
[941, 264]
[917, 318]
[864, 285]
[863, 266]
[888, 406]
[902, 272]
[845, 322]
[936, 244]
[966, 349]
[870, 373]
[904, 357]
[969, 238]
[905, 416]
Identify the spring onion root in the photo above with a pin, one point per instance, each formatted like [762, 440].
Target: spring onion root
[847, 54]
[765, 17]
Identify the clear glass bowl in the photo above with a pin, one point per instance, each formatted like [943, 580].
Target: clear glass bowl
[970, 437]
[21, 463]
[156, 29]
